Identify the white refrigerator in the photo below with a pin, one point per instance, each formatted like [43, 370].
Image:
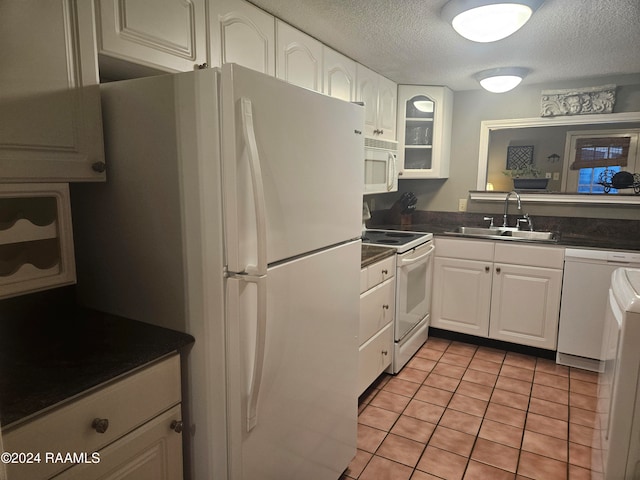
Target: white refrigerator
[232, 211]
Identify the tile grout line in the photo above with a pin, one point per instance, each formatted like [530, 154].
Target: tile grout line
[445, 407]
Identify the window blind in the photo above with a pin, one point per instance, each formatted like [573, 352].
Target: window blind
[601, 152]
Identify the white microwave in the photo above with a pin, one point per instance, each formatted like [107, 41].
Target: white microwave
[380, 166]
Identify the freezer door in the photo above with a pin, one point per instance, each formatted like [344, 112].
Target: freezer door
[293, 166]
[292, 374]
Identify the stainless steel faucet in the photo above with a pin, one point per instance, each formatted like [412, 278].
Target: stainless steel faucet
[506, 206]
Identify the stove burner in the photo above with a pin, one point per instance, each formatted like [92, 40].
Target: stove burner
[402, 241]
[400, 235]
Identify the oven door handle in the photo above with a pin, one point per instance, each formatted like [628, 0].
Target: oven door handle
[409, 261]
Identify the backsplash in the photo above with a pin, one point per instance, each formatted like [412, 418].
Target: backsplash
[598, 232]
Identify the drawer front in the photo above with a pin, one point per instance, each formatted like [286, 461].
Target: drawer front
[125, 403]
[375, 357]
[381, 271]
[377, 307]
[364, 281]
[532, 255]
[150, 452]
[464, 249]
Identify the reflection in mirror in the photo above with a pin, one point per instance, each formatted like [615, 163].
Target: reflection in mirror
[548, 147]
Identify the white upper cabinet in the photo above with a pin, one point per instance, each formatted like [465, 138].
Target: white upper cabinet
[379, 95]
[165, 35]
[242, 34]
[424, 131]
[50, 127]
[298, 57]
[339, 75]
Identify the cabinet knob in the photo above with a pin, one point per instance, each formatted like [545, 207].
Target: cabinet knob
[177, 426]
[98, 167]
[498, 270]
[385, 352]
[100, 425]
[202, 66]
[487, 268]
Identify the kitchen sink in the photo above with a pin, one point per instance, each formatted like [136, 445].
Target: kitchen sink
[502, 233]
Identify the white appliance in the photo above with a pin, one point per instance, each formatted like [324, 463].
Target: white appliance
[618, 386]
[232, 211]
[585, 289]
[414, 274]
[380, 166]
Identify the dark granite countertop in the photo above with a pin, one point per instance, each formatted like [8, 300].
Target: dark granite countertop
[48, 355]
[610, 234]
[373, 253]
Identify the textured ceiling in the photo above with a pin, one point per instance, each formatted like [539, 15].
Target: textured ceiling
[408, 42]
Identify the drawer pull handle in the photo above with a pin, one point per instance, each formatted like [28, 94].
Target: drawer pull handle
[385, 271]
[99, 167]
[498, 270]
[385, 352]
[385, 307]
[177, 426]
[100, 425]
[486, 269]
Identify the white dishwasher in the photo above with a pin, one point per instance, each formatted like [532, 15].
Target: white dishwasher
[585, 290]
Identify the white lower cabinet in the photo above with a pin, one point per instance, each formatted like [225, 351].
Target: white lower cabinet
[501, 290]
[377, 311]
[128, 429]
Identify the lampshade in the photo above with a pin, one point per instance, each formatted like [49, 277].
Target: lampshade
[488, 20]
[500, 80]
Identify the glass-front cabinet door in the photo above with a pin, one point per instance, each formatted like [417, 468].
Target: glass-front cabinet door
[424, 131]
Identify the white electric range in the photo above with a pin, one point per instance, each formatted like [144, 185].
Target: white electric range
[414, 271]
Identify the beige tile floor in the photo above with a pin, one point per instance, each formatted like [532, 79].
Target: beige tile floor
[459, 411]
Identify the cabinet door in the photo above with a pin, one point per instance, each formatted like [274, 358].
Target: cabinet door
[50, 127]
[168, 35]
[367, 93]
[242, 34]
[298, 57]
[424, 131]
[525, 305]
[339, 76]
[151, 452]
[374, 357]
[387, 104]
[461, 295]
[377, 308]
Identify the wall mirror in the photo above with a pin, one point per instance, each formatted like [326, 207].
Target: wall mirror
[548, 146]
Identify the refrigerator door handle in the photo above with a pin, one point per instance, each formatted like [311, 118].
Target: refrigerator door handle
[249, 136]
[255, 374]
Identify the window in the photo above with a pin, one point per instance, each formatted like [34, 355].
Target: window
[597, 155]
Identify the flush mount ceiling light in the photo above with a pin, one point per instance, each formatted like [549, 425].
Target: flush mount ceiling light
[500, 80]
[488, 20]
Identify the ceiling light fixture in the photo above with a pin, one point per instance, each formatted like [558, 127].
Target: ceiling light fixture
[500, 80]
[488, 20]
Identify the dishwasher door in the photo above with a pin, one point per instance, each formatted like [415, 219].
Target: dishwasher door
[585, 288]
